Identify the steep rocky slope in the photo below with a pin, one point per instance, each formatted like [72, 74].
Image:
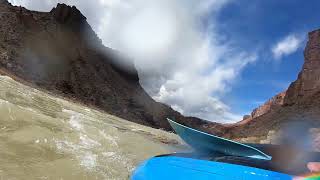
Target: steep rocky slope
[59, 52]
[308, 82]
[272, 104]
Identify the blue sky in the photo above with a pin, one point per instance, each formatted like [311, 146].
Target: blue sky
[257, 26]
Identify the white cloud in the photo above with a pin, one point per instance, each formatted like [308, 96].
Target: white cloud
[181, 62]
[287, 46]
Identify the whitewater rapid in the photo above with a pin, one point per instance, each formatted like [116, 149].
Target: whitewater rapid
[46, 137]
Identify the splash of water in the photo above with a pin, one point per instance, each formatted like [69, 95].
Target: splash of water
[45, 137]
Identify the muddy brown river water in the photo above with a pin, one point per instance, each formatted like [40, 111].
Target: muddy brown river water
[45, 137]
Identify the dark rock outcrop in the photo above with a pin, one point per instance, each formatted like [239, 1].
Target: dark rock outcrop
[308, 82]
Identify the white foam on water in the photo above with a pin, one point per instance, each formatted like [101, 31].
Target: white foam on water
[108, 154]
[4, 101]
[65, 146]
[75, 123]
[109, 138]
[88, 160]
[87, 142]
[82, 150]
[30, 109]
[119, 158]
[86, 157]
[75, 120]
[135, 130]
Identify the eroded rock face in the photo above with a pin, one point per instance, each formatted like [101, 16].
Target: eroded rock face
[270, 105]
[66, 14]
[308, 82]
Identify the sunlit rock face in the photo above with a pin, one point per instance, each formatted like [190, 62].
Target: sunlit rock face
[272, 104]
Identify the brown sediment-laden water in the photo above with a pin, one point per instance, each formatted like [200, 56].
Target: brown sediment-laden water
[46, 137]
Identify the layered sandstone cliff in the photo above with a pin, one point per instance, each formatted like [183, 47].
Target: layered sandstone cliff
[272, 104]
[308, 82]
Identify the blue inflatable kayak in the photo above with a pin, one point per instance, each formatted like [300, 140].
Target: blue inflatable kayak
[216, 158]
[185, 168]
